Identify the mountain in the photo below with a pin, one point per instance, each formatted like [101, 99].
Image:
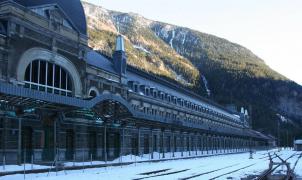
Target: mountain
[225, 72]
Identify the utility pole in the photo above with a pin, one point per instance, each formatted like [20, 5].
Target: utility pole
[278, 131]
[251, 116]
[19, 113]
[287, 144]
[19, 141]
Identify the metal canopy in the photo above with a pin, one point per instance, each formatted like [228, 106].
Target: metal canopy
[19, 96]
[103, 105]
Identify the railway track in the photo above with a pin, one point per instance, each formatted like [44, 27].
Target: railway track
[232, 167]
[270, 157]
[271, 173]
[163, 172]
[241, 168]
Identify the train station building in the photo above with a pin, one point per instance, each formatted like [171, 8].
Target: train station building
[61, 99]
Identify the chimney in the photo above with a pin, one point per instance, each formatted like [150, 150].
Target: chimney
[242, 110]
[119, 56]
[246, 113]
[120, 43]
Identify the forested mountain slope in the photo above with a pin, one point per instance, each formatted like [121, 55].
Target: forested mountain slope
[211, 66]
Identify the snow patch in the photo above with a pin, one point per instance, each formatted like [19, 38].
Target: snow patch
[179, 77]
[141, 48]
[284, 119]
[205, 82]
[184, 38]
[172, 38]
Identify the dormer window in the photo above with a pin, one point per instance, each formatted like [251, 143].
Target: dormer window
[155, 94]
[41, 11]
[66, 24]
[2, 28]
[54, 14]
[166, 97]
[174, 100]
[130, 85]
[162, 95]
[135, 88]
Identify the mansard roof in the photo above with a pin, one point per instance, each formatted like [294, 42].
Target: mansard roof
[144, 78]
[100, 61]
[72, 8]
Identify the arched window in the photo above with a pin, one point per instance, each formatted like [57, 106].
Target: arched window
[2, 29]
[92, 93]
[45, 76]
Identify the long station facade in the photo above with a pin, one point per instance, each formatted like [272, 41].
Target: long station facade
[61, 99]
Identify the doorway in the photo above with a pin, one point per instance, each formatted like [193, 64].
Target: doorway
[69, 144]
[27, 145]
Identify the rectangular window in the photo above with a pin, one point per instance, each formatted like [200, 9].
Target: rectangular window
[42, 76]
[107, 87]
[57, 76]
[27, 73]
[135, 88]
[63, 79]
[69, 85]
[49, 74]
[35, 67]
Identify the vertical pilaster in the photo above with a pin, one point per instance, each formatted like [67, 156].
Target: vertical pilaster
[105, 142]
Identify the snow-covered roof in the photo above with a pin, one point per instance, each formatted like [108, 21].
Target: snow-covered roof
[299, 141]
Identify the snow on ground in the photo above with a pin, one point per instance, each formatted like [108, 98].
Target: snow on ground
[238, 164]
[9, 168]
[122, 159]
[298, 168]
[292, 162]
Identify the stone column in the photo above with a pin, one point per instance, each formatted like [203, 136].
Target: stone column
[223, 144]
[4, 137]
[139, 141]
[201, 143]
[208, 143]
[212, 143]
[163, 143]
[105, 142]
[182, 144]
[196, 144]
[174, 145]
[189, 139]
[19, 157]
[152, 144]
[122, 141]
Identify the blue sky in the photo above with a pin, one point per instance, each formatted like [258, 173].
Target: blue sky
[272, 29]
